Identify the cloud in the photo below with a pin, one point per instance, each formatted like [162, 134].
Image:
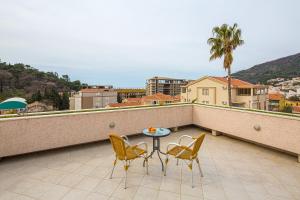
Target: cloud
[108, 41]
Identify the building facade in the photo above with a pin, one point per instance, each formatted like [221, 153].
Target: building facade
[164, 85]
[93, 98]
[276, 101]
[213, 90]
[124, 93]
[291, 103]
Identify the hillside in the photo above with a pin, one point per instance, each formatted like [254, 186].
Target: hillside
[34, 85]
[287, 67]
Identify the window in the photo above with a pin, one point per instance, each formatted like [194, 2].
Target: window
[183, 90]
[244, 92]
[205, 92]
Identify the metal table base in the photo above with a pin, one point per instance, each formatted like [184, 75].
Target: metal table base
[156, 147]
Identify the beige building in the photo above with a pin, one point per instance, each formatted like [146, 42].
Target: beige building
[213, 90]
[93, 98]
[164, 85]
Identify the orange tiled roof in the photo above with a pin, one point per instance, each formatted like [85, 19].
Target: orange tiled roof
[177, 97]
[124, 104]
[234, 82]
[134, 99]
[237, 83]
[275, 96]
[158, 97]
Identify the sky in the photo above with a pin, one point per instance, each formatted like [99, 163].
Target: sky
[124, 42]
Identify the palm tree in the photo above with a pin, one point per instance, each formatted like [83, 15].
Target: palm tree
[225, 39]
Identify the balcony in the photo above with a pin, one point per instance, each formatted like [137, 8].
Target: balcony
[253, 158]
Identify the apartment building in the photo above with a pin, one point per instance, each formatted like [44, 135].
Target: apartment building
[213, 90]
[125, 93]
[96, 97]
[164, 85]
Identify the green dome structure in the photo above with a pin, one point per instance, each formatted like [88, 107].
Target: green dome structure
[13, 104]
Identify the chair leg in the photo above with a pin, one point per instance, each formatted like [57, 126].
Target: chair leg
[166, 163]
[112, 171]
[200, 170]
[147, 166]
[191, 168]
[126, 166]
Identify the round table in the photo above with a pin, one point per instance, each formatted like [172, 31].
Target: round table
[160, 132]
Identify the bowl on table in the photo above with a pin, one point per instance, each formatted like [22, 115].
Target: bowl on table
[152, 130]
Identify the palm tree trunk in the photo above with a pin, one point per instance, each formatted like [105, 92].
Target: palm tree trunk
[229, 86]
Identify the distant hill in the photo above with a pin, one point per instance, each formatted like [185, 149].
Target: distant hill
[287, 67]
[25, 81]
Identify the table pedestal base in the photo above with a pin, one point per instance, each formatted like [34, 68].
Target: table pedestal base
[156, 147]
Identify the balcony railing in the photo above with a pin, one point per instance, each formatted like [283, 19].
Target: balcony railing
[42, 131]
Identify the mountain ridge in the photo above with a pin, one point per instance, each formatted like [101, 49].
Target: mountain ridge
[285, 67]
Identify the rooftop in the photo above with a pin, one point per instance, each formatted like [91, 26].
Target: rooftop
[96, 90]
[233, 169]
[165, 78]
[158, 97]
[128, 90]
[276, 96]
[134, 99]
[236, 83]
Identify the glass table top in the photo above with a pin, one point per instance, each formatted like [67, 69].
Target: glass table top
[160, 132]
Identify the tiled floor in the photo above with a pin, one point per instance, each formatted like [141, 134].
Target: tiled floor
[232, 170]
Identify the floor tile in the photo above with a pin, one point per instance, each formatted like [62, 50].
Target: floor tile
[71, 180]
[56, 192]
[145, 193]
[75, 194]
[233, 170]
[108, 186]
[163, 195]
[88, 183]
[96, 196]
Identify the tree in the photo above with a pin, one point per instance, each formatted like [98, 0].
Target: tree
[75, 85]
[55, 98]
[36, 96]
[225, 39]
[64, 102]
[66, 78]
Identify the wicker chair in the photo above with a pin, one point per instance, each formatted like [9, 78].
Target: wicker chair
[187, 153]
[126, 152]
